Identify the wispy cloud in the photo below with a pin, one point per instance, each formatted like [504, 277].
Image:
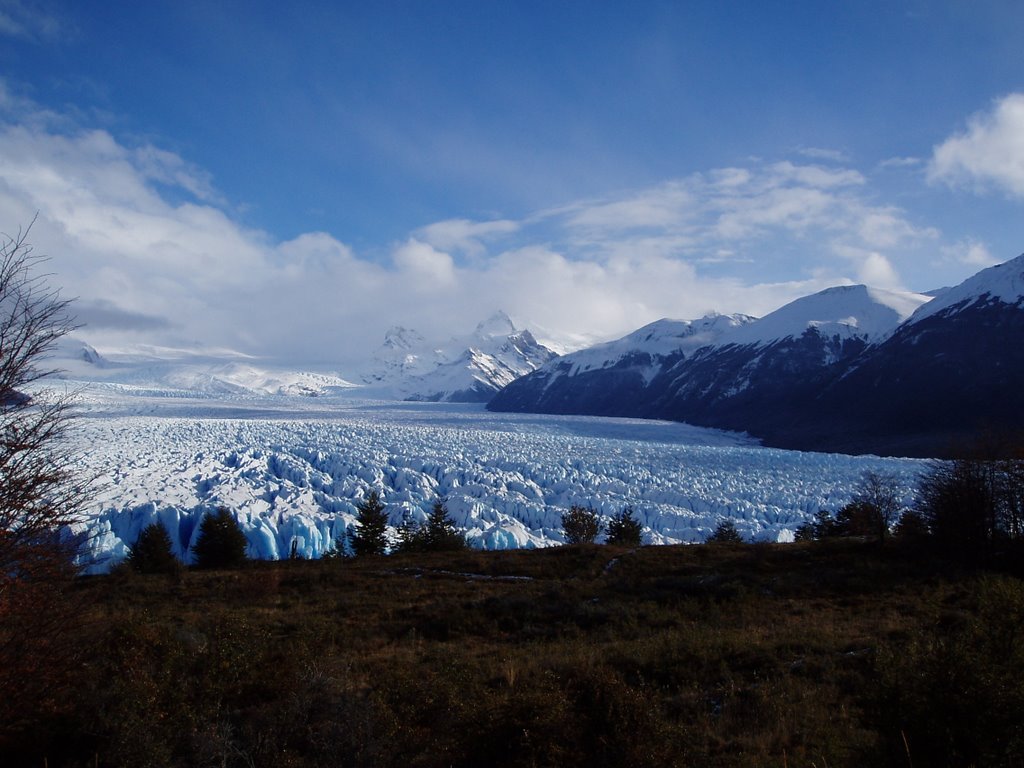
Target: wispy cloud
[970, 252]
[989, 153]
[818, 153]
[30, 21]
[463, 235]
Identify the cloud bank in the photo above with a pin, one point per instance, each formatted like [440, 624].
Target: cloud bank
[155, 256]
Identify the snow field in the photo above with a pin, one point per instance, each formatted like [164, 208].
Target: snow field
[507, 478]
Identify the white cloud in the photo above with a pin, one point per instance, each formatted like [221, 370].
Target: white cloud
[463, 235]
[970, 252]
[877, 270]
[664, 206]
[901, 162]
[182, 274]
[989, 153]
[885, 227]
[426, 266]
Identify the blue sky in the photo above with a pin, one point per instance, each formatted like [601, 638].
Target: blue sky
[290, 180]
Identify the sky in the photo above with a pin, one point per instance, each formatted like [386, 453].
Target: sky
[288, 181]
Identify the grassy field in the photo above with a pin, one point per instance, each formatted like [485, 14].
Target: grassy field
[821, 654]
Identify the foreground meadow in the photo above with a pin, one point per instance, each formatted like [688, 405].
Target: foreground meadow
[820, 654]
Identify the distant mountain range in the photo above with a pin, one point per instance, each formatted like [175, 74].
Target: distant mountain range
[468, 369]
[850, 369]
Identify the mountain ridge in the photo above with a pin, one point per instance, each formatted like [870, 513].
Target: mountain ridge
[851, 369]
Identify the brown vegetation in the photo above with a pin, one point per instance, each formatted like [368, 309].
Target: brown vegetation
[833, 653]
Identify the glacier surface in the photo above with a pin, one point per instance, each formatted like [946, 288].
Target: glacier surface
[294, 469]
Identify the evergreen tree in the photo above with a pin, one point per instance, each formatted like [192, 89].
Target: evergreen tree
[725, 533]
[221, 543]
[580, 525]
[437, 534]
[440, 532]
[369, 536]
[336, 552]
[152, 553]
[624, 529]
[411, 535]
[804, 532]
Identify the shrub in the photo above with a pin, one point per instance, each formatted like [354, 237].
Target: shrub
[221, 543]
[858, 518]
[725, 533]
[958, 502]
[151, 552]
[911, 525]
[369, 536]
[878, 503]
[624, 529]
[580, 525]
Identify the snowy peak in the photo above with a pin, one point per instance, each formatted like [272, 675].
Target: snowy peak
[73, 356]
[463, 369]
[403, 339]
[1001, 284]
[497, 325]
[847, 311]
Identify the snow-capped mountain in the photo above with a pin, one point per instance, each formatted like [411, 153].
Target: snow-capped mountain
[1001, 285]
[682, 370]
[952, 371]
[840, 313]
[610, 378]
[464, 369]
[851, 369]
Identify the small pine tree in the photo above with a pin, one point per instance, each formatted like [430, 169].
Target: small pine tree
[804, 532]
[624, 529]
[825, 526]
[725, 533]
[437, 534]
[411, 535]
[151, 552]
[337, 552]
[440, 532]
[580, 525]
[221, 543]
[369, 536]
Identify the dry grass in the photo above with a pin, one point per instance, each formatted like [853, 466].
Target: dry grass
[818, 654]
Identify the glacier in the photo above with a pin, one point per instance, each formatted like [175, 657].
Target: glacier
[293, 470]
